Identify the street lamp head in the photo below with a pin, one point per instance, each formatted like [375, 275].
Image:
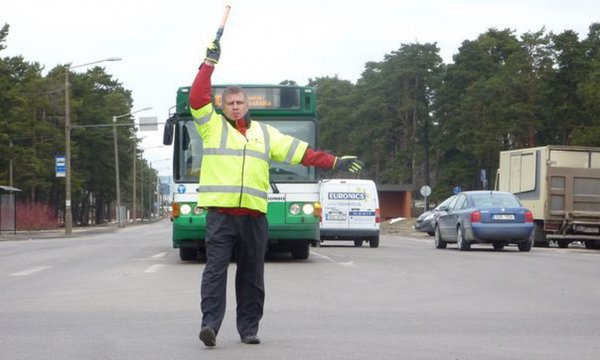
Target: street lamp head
[114, 59]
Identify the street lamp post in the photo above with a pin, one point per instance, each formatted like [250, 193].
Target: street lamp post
[117, 182]
[68, 211]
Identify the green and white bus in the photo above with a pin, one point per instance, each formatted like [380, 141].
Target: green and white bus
[293, 200]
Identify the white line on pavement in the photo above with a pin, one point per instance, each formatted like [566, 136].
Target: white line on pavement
[154, 268]
[159, 255]
[31, 271]
[322, 256]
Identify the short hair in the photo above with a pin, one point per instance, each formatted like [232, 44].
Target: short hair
[234, 90]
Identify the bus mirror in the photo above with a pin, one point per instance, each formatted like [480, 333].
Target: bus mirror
[186, 139]
[168, 132]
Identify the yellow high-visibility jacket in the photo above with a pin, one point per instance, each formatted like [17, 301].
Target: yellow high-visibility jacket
[235, 168]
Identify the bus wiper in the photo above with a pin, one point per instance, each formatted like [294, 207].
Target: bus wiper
[274, 187]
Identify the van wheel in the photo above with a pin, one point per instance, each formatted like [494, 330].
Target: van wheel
[358, 243]
[188, 254]
[498, 245]
[374, 242]
[300, 251]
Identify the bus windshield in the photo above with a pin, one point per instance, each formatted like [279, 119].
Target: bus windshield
[188, 154]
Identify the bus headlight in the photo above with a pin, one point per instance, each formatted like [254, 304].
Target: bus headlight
[308, 209]
[198, 210]
[295, 209]
[185, 209]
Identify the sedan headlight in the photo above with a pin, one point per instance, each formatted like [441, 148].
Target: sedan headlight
[185, 209]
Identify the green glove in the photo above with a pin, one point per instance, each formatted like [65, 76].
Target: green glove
[348, 163]
[213, 52]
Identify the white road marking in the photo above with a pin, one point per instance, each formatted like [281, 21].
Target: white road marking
[159, 255]
[31, 271]
[322, 256]
[154, 268]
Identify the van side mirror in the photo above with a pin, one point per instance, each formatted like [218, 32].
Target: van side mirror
[168, 130]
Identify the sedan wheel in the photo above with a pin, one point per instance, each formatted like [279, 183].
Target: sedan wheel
[463, 244]
[526, 244]
[437, 239]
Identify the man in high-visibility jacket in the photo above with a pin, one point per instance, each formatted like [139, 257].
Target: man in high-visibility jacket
[234, 183]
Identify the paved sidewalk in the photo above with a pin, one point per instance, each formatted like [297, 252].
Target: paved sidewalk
[58, 233]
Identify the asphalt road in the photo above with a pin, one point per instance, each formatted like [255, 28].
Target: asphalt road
[126, 295]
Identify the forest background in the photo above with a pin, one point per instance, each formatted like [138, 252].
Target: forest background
[411, 117]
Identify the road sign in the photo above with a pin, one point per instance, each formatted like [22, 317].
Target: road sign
[425, 190]
[60, 166]
[457, 190]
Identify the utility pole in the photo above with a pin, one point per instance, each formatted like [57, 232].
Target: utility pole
[134, 182]
[117, 182]
[142, 188]
[10, 164]
[68, 211]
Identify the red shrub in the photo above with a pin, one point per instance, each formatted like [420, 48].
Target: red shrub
[35, 216]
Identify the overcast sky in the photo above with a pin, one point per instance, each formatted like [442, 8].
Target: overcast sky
[163, 42]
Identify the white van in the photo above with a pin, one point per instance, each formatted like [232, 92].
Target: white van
[350, 211]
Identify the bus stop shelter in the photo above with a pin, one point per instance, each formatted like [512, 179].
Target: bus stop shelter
[8, 209]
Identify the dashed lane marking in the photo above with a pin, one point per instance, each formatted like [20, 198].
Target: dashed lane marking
[154, 268]
[159, 255]
[31, 271]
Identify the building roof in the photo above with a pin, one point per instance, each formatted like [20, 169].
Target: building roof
[8, 188]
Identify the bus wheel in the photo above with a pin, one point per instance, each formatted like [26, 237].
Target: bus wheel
[187, 254]
[300, 251]
[358, 243]
[374, 242]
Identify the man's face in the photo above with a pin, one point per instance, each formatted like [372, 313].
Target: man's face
[235, 106]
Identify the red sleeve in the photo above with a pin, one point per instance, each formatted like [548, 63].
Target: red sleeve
[200, 91]
[319, 159]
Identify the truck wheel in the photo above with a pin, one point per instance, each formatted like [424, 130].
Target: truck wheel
[538, 236]
[188, 254]
[437, 239]
[300, 251]
[563, 244]
[358, 243]
[526, 244]
[374, 242]
[592, 244]
[463, 244]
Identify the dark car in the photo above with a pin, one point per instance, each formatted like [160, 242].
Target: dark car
[494, 217]
[426, 221]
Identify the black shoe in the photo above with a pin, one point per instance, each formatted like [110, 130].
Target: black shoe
[250, 339]
[208, 336]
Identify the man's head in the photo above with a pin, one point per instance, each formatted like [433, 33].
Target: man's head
[235, 103]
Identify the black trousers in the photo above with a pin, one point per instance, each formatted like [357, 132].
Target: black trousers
[248, 235]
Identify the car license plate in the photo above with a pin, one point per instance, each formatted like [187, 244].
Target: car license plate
[503, 216]
[334, 216]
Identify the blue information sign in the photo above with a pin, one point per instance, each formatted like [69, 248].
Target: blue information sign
[457, 190]
[60, 166]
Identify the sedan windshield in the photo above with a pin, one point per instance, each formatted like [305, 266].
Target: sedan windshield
[487, 200]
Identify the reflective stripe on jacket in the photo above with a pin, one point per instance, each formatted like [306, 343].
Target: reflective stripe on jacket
[235, 168]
